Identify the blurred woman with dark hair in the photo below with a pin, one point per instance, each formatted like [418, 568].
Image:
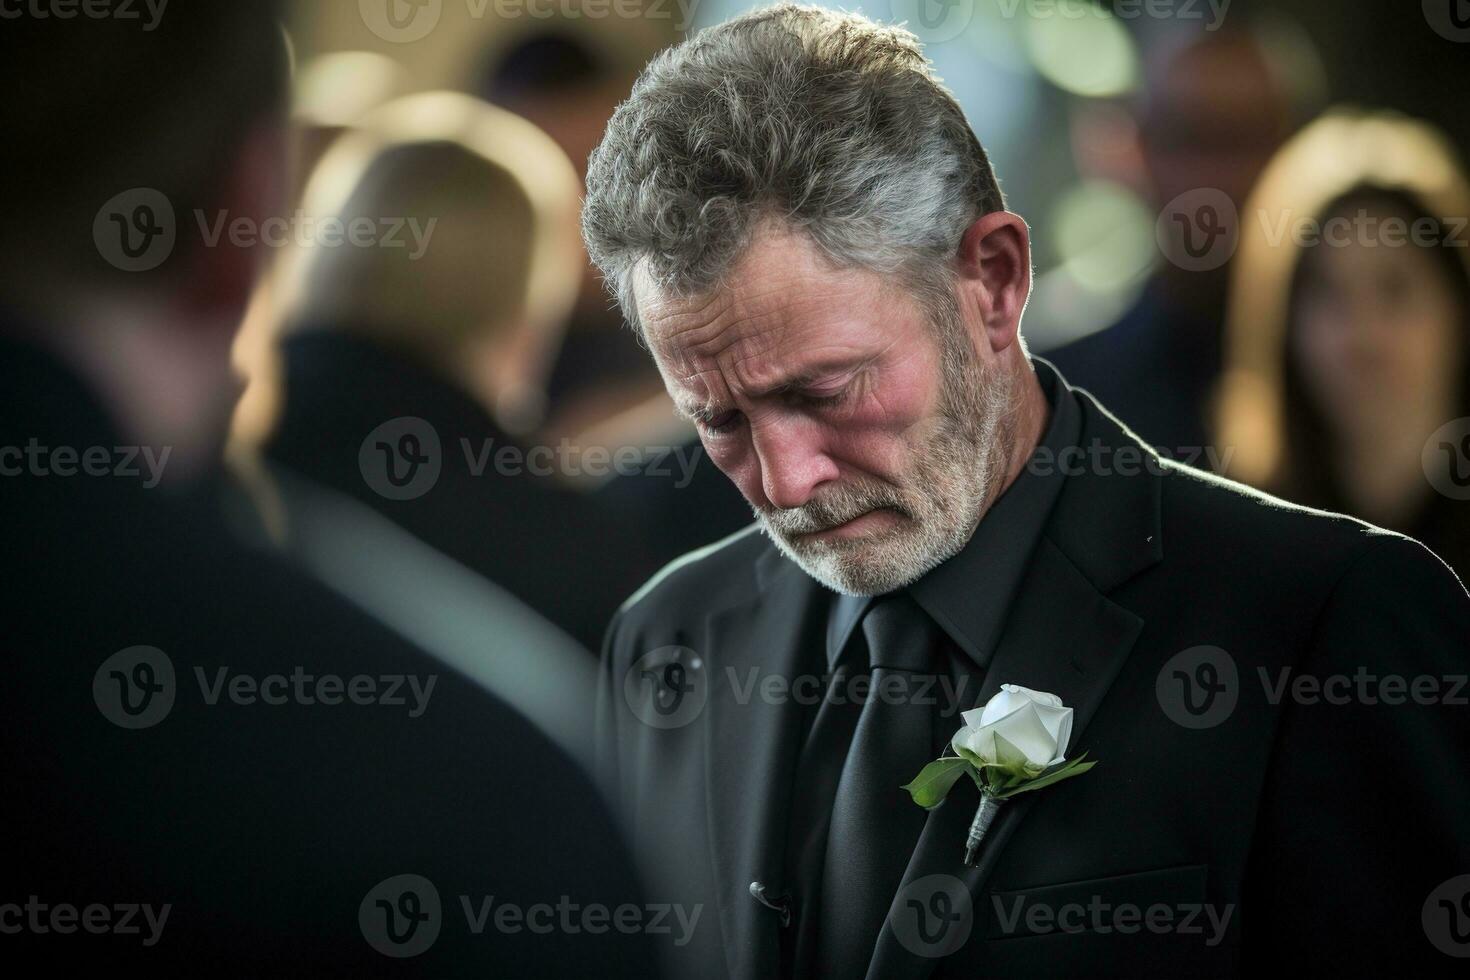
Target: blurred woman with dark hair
[1348, 385]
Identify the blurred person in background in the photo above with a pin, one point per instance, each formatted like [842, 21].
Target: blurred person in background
[1213, 108]
[1348, 383]
[603, 391]
[568, 86]
[211, 762]
[454, 329]
[330, 95]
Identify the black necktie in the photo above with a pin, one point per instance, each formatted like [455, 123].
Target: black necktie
[874, 823]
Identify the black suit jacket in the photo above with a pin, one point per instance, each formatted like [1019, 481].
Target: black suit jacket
[554, 548]
[265, 827]
[1314, 833]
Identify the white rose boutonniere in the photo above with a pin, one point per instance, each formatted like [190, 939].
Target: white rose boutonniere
[1016, 743]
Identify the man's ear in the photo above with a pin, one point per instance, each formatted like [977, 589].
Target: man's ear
[994, 270]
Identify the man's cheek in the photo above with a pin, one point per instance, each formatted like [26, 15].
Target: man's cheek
[874, 452]
[732, 456]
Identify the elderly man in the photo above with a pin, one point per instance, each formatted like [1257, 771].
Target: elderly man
[796, 217]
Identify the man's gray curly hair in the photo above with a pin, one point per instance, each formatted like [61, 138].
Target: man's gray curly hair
[831, 123]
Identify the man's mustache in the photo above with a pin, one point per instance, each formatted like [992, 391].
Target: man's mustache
[834, 508]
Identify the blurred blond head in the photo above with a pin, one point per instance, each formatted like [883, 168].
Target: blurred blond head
[331, 94]
[473, 267]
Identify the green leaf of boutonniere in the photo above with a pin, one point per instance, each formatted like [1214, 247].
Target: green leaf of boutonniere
[1074, 767]
[935, 780]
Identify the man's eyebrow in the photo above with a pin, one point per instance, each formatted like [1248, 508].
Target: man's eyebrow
[815, 373]
[696, 412]
[692, 412]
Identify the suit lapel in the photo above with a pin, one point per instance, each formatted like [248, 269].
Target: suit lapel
[1062, 635]
[751, 751]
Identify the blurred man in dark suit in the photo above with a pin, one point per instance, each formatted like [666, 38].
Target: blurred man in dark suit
[211, 762]
[797, 217]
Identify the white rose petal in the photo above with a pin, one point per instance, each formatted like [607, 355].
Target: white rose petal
[1035, 722]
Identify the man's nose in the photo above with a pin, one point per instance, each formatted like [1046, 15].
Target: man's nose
[793, 461]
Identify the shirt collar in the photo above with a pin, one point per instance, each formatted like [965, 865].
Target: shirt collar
[969, 593]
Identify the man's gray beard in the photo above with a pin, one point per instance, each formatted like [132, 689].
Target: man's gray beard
[950, 483]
